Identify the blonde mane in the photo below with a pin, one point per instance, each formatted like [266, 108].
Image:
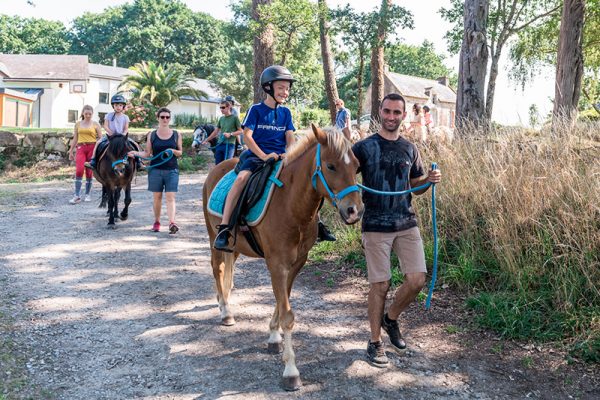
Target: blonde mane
[335, 140]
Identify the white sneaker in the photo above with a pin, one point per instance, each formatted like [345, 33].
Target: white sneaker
[87, 198]
[75, 200]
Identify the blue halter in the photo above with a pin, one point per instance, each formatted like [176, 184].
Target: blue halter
[319, 173]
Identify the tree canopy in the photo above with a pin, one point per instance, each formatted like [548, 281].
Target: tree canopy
[32, 36]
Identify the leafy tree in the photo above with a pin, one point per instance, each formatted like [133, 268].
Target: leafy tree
[165, 31]
[159, 85]
[234, 76]
[536, 46]
[505, 20]
[263, 43]
[327, 57]
[32, 36]
[358, 31]
[418, 61]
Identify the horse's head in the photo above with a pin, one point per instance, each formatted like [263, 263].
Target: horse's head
[200, 135]
[117, 154]
[335, 174]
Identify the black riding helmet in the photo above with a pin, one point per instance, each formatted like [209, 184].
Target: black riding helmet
[118, 99]
[272, 74]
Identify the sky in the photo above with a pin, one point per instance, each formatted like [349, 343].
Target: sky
[511, 103]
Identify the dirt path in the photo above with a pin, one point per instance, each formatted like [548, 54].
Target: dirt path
[131, 314]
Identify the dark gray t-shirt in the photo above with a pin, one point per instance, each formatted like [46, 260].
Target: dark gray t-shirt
[388, 166]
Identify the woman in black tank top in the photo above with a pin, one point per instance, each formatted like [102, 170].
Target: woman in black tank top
[163, 175]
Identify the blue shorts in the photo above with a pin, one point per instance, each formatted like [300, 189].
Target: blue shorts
[248, 162]
[224, 151]
[163, 179]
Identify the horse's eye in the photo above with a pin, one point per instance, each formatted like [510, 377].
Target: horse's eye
[330, 167]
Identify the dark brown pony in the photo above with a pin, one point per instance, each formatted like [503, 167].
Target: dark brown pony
[115, 172]
[289, 228]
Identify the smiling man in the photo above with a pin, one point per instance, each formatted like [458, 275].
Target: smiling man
[389, 162]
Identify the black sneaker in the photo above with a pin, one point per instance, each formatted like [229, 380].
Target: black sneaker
[222, 239]
[90, 164]
[324, 233]
[376, 354]
[392, 328]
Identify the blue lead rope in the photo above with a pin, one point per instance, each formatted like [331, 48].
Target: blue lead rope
[164, 156]
[433, 223]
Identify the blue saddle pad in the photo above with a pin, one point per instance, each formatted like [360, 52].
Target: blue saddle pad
[216, 202]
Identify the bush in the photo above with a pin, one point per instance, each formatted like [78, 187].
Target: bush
[315, 115]
[141, 115]
[186, 120]
[2, 162]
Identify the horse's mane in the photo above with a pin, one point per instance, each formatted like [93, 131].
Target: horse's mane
[117, 145]
[335, 140]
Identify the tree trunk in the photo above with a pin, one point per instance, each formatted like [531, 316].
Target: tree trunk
[330, 83]
[470, 104]
[569, 64]
[263, 50]
[491, 87]
[359, 82]
[377, 65]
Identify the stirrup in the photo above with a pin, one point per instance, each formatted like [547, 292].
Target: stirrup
[222, 239]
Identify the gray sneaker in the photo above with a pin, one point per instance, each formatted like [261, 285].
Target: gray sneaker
[376, 354]
[392, 328]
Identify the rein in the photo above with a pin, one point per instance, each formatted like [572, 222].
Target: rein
[164, 156]
[319, 174]
[355, 188]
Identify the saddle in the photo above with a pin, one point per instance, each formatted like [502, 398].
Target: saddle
[253, 202]
[103, 146]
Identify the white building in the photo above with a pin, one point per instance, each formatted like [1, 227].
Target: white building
[49, 91]
[437, 94]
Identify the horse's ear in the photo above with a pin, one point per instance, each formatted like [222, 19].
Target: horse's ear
[319, 134]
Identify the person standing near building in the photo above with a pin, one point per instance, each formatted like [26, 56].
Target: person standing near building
[389, 162]
[85, 135]
[342, 118]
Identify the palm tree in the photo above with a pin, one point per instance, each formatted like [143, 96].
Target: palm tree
[158, 84]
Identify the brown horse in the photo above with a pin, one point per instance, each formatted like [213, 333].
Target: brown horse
[115, 171]
[319, 165]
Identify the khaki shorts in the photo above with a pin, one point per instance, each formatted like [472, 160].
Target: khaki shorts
[407, 245]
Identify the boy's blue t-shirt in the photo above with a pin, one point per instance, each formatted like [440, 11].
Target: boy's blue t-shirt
[268, 126]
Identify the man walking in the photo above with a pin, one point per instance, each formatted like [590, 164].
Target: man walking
[389, 162]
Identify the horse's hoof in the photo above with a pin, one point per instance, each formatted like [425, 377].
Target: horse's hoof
[291, 383]
[275, 348]
[228, 321]
[111, 226]
[124, 217]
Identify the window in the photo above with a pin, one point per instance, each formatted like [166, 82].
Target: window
[103, 98]
[73, 114]
[101, 117]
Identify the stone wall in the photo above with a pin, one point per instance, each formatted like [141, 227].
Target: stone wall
[46, 144]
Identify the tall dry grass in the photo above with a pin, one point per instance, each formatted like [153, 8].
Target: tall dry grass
[519, 230]
[519, 218]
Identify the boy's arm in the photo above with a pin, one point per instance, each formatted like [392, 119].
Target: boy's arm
[106, 128]
[253, 147]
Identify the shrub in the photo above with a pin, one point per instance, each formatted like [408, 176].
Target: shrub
[141, 115]
[315, 115]
[186, 120]
[2, 162]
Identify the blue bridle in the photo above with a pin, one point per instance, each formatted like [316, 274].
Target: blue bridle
[319, 173]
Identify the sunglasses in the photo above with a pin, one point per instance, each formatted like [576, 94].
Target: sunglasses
[164, 117]
[223, 107]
